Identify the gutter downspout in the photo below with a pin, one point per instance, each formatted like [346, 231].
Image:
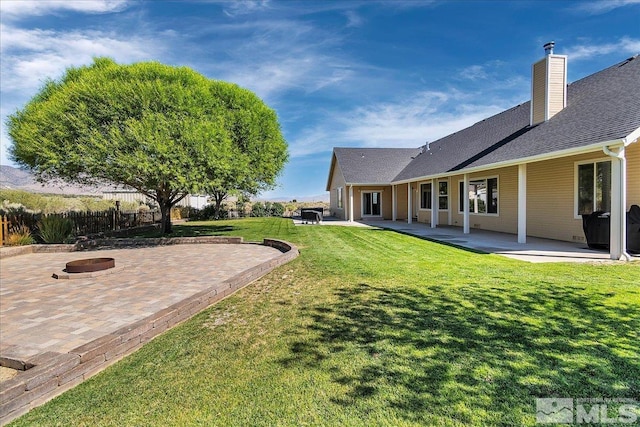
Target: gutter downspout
[618, 239]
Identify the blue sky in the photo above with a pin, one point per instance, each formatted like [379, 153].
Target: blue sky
[338, 73]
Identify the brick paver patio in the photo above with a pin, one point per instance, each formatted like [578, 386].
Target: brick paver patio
[39, 313]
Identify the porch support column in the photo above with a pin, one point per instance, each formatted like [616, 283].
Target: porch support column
[434, 203]
[409, 209]
[351, 203]
[618, 219]
[522, 203]
[465, 204]
[394, 203]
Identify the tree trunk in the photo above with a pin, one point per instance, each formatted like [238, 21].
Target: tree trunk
[165, 222]
[218, 197]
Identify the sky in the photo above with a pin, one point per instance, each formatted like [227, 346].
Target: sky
[338, 73]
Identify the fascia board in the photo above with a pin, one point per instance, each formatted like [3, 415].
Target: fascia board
[523, 160]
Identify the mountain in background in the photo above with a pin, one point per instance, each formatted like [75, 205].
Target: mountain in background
[18, 179]
[318, 198]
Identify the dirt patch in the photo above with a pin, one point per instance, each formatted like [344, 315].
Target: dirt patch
[7, 373]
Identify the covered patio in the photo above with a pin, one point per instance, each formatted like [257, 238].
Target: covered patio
[534, 250]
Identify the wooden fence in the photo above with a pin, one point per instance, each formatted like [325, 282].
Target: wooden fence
[84, 223]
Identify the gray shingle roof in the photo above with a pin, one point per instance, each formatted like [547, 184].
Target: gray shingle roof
[373, 165]
[601, 107]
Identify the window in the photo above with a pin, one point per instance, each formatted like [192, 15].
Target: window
[339, 198]
[425, 196]
[594, 187]
[443, 195]
[483, 196]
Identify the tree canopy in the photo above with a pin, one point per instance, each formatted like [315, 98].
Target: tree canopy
[165, 131]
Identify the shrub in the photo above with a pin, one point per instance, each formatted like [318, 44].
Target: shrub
[55, 229]
[209, 213]
[20, 237]
[277, 209]
[257, 209]
[180, 212]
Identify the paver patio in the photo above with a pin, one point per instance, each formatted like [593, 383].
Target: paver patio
[39, 313]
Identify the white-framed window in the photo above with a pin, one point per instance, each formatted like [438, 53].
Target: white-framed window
[443, 195]
[425, 196]
[593, 187]
[483, 196]
[339, 198]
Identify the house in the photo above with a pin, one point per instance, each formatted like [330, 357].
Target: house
[531, 170]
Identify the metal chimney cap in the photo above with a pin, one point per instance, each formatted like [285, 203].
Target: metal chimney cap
[548, 47]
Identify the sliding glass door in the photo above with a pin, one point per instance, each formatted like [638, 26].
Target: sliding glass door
[371, 203]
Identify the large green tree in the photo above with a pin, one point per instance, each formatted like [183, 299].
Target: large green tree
[165, 131]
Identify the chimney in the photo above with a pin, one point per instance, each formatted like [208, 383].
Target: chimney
[548, 85]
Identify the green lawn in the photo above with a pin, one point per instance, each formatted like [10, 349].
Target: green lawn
[371, 327]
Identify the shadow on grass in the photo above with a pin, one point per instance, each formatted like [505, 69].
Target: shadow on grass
[478, 354]
[191, 230]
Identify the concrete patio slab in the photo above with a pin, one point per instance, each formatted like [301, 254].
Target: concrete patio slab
[535, 250]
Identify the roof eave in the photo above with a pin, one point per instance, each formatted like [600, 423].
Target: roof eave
[538, 158]
[632, 137]
[334, 160]
[367, 184]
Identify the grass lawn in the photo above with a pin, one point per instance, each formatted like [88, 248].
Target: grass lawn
[371, 327]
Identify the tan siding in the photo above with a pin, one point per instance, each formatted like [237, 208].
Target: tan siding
[633, 174]
[401, 194]
[551, 198]
[538, 100]
[337, 180]
[557, 83]
[387, 200]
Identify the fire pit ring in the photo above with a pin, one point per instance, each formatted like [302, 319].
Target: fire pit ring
[90, 264]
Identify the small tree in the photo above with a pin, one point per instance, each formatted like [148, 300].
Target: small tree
[162, 130]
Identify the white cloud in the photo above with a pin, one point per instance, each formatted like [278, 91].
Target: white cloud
[269, 79]
[272, 57]
[604, 6]
[16, 9]
[29, 56]
[244, 7]
[353, 19]
[426, 116]
[626, 45]
[474, 72]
